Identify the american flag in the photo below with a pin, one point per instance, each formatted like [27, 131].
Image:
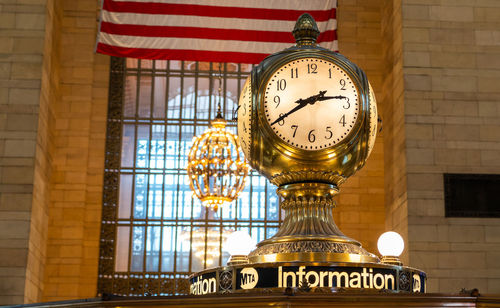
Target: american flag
[241, 31]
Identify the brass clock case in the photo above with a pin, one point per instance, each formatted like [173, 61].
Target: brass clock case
[282, 163]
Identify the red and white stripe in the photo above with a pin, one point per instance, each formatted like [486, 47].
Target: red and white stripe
[240, 31]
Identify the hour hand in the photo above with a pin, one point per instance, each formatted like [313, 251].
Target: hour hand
[324, 98]
[312, 99]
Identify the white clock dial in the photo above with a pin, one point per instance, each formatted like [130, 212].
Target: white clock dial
[373, 121]
[311, 104]
[244, 116]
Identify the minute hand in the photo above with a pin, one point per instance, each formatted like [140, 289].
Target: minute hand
[302, 104]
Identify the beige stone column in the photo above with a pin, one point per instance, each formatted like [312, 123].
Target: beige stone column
[24, 140]
[446, 119]
[53, 98]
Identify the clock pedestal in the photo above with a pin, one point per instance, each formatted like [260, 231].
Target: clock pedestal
[308, 122]
[308, 232]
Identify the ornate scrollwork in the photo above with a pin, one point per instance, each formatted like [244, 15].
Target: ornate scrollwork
[120, 285]
[167, 286]
[115, 94]
[116, 285]
[307, 176]
[105, 285]
[151, 285]
[226, 281]
[404, 281]
[309, 246]
[135, 285]
[181, 286]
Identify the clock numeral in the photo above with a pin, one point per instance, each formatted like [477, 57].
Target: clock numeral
[311, 137]
[244, 127]
[330, 73]
[281, 85]
[294, 127]
[342, 84]
[244, 109]
[311, 68]
[342, 120]
[276, 101]
[295, 72]
[282, 121]
[243, 143]
[348, 104]
[330, 133]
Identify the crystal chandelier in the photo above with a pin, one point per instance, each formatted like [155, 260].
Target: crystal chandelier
[216, 166]
[205, 240]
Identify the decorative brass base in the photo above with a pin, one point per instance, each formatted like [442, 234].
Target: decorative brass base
[393, 260]
[309, 232]
[311, 251]
[237, 260]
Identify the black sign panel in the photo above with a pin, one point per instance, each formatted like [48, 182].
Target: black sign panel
[380, 277]
[316, 276]
[205, 283]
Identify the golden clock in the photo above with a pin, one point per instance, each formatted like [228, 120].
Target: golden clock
[305, 120]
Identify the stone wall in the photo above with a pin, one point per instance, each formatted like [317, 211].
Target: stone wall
[43, 157]
[24, 137]
[451, 67]
[360, 212]
[396, 206]
[53, 99]
[78, 157]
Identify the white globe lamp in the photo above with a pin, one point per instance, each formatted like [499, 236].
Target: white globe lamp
[238, 245]
[391, 245]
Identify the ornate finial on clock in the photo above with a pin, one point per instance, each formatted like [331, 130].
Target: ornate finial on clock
[306, 31]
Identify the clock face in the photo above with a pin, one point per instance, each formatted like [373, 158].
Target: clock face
[244, 116]
[373, 121]
[311, 104]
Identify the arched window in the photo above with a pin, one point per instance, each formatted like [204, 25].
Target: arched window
[154, 233]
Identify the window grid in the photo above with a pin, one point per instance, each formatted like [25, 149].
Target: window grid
[149, 214]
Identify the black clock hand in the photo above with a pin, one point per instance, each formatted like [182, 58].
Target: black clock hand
[310, 100]
[324, 98]
[301, 104]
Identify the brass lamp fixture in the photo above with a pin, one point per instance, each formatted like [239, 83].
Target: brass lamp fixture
[216, 166]
[391, 245]
[239, 244]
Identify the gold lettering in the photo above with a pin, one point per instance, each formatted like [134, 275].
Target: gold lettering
[391, 279]
[338, 283]
[322, 275]
[285, 281]
[355, 280]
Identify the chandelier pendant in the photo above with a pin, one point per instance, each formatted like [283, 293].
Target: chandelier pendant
[216, 168]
